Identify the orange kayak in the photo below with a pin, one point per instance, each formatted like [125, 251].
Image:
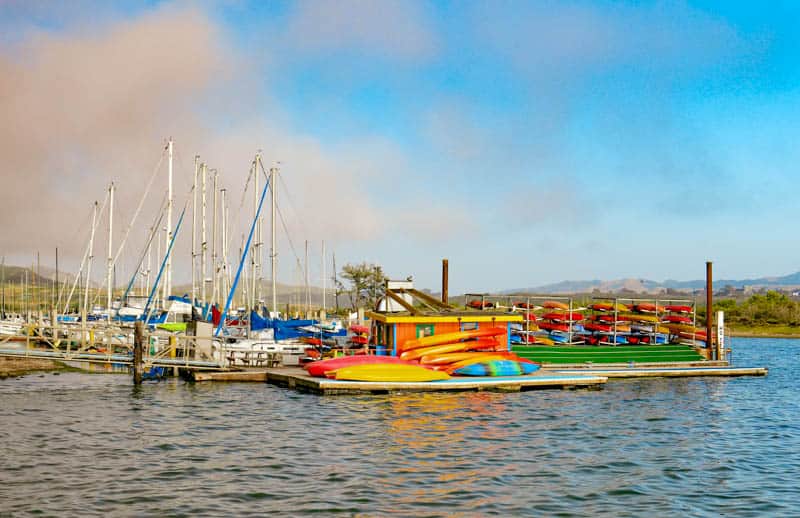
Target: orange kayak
[448, 338]
[436, 349]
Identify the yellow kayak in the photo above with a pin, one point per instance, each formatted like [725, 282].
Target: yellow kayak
[638, 317]
[389, 372]
[685, 328]
[413, 354]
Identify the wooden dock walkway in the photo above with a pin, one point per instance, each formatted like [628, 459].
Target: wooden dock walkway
[298, 379]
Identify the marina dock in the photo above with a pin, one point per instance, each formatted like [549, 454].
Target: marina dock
[665, 372]
[298, 379]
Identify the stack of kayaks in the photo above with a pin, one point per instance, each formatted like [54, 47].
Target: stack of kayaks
[561, 323]
[642, 323]
[359, 334]
[470, 353]
[529, 332]
[555, 323]
[606, 325]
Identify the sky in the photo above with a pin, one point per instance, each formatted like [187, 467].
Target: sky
[528, 142]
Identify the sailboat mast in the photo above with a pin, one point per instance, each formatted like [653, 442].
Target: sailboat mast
[225, 283]
[89, 264]
[215, 209]
[335, 284]
[259, 240]
[308, 293]
[203, 243]
[3, 287]
[194, 229]
[110, 251]
[273, 253]
[58, 286]
[324, 280]
[168, 283]
[254, 258]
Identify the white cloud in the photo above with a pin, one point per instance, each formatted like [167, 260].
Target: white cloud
[390, 28]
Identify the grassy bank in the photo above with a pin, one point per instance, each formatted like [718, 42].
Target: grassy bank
[766, 331]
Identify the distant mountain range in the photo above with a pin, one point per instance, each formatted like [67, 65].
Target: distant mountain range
[649, 286]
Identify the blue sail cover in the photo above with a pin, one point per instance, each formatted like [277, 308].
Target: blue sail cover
[289, 328]
[257, 322]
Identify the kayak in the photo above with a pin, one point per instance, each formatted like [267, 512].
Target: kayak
[608, 306]
[414, 354]
[450, 358]
[446, 338]
[648, 308]
[319, 368]
[552, 304]
[497, 368]
[678, 309]
[359, 330]
[451, 368]
[564, 317]
[676, 319]
[389, 372]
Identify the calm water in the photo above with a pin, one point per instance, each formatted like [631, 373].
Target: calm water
[79, 444]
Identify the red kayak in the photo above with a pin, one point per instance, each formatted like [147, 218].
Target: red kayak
[603, 328]
[319, 368]
[648, 308]
[359, 330]
[564, 317]
[478, 305]
[361, 340]
[678, 309]
[676, 319]
[549, 326]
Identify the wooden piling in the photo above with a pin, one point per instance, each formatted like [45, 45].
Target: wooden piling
[445, 279]
[138, 344]
[709, 312]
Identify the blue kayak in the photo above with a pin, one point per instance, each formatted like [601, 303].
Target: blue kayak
[497, 368]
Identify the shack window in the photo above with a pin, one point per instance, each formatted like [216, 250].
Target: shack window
[424, 330]
[469, 326]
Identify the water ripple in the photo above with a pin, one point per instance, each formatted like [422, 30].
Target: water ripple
[93, 445]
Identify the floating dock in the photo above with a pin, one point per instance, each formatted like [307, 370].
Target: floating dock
[664, 372]
[298, 379]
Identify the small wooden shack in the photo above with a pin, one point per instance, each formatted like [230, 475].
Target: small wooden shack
[406, 314]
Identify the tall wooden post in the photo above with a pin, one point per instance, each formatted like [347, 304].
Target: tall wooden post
[709, 312]
[138, 339]
[445, 279]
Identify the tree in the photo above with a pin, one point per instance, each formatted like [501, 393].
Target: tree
[367, 283]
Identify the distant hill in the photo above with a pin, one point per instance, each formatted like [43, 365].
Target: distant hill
[649, 286]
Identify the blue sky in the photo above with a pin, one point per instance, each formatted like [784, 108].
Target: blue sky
[528, 142]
